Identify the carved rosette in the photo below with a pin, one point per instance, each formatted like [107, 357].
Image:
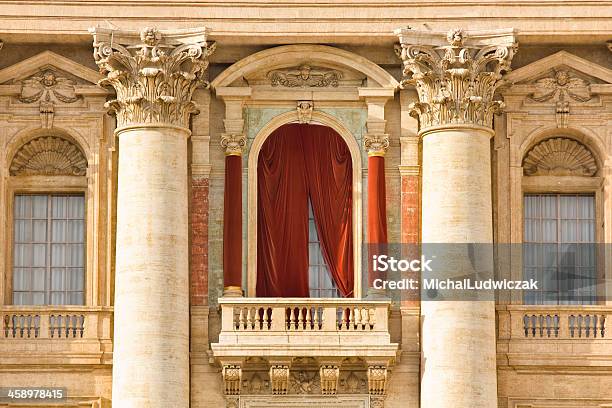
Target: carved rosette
[376, 145]
[455, 82]
[154, 73]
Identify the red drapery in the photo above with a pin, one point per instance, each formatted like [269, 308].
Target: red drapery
[297, 162]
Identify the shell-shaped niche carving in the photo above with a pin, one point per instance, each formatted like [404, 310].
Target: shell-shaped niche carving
[559, 156]
[49, 156]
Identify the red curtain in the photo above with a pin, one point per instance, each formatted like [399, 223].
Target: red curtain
[282, 217]
[329, 171]
[297, 162]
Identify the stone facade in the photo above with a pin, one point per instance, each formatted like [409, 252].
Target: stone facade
[468, 120]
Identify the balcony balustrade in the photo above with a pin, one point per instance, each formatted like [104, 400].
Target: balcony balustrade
[55, 335]
[567, 335]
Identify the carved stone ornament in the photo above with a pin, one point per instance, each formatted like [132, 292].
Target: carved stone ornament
[232, 401]
[330, 375]
[376, 145]
[305, 76]
[47, 88]
[455, 82]
[154, 73]
[304, 111]
[560, 87]
[305, 382]
[559, 157]
[232, 378]
[377, 401]
[279, 379]
[377, 379]
[49, 156]
[233, 144]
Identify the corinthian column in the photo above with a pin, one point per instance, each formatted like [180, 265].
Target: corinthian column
[154, 74]
[456, 76]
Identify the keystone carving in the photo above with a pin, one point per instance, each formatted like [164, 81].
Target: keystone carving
[304, 111]
[154, 73]
[456, 81]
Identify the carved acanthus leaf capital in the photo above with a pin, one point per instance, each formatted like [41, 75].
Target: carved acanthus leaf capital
[154, 73]
[233, 144]
[376, 144]
[455, 76]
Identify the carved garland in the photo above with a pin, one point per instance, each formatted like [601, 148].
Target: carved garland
[559, 157]
[49, 156]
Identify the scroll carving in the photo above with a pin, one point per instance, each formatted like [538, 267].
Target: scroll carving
[305, 76]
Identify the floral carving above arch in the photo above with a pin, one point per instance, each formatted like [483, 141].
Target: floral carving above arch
[49, 156]
[559, 156]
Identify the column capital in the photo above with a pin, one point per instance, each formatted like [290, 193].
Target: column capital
[376, 144]
[455, 74]
[154, 73]
[233, 143]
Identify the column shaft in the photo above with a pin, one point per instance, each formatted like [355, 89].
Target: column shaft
[377, 209]
[458, 349]
[232, 226]
[151, 348]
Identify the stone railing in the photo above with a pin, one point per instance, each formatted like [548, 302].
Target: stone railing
[564, 335]
[55, 330]
[304, 327]
[554, 322]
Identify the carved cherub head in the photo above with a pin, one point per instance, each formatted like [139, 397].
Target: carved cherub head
[562, 78]
[48, 78]
[150, 36]
[455, 37]
[304, 72]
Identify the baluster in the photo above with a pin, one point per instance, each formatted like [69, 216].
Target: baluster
[353, 321]
[587, 325]
[603, 326]
[82, 325]
[364, 317]
[21, 325]
[372, 317]
[36, 326]
[250, 319]
[579, 325]
[548, 321]
[241, 324]
[556, 322]
[309, 325]
[5, 320]
[301, 319]
[572, 324]
[533, 325]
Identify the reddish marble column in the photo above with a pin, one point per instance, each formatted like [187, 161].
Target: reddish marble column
[232, 226]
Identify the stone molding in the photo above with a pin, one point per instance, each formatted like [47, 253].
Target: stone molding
[153, 72]
[456, 79]
[49, 156]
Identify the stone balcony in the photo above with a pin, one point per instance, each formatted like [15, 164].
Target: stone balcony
[55, 335]
[554, 335]
[332, 342]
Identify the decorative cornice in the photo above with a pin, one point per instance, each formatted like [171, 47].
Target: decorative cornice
[49, 156]
[376, 144]
[456, 78]
[305, 76]
[153, 72]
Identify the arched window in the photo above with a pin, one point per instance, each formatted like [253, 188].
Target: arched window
[560, 222]
[305, 214]
[48, 185]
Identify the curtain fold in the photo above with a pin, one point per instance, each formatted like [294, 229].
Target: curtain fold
[282, 217]
[329, 171]
[298, 161]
